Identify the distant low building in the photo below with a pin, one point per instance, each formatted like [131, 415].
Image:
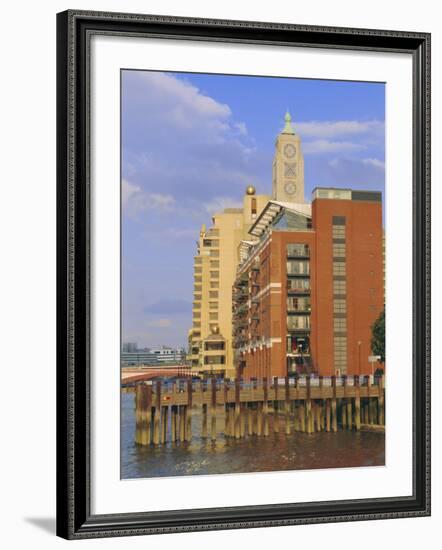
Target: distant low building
[169, 355]
[130, 347]
[147, 356]
[138, 357]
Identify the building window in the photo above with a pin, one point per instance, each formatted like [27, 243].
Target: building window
[198, 279]
[214, 346]
[213, 294]
[339, 232]
[298, 304]
[340, 354]
[214, 359]
[339, 287]
[340, 324]
[339, 306]
[295, 322]
[198, 269]
[196, 305]
[298, 267]
[210, 242]
[299, 285]
[253, 207]
[298, 250]
[338, 268]
[214, 284]
[196, 314]
[214, 274]
[196, 324]
[213, 316]
[214, 263]
[338, 250]
[213, 305]
[214, 253]
[197, 297]
[197, 288]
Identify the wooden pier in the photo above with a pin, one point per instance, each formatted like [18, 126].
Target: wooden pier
[163, 409]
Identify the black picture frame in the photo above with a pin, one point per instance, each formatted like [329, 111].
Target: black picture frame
[74, 518]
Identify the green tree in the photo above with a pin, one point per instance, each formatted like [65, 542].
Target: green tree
[378, 336]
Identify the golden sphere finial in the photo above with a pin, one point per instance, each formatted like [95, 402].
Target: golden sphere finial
[215, 329]
[250, 190]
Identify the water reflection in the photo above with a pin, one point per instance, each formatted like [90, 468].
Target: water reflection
[251, 454]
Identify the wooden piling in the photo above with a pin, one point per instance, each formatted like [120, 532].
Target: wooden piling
[308, 416]
[173, 424]
[349, 415]
[287, 406]
[189, 410]
[204, 421]
[181, 423]
[242, 420]
[259, 419]
[318, 407]
[265, 408]
[164, 414]
[213, 410]
[157, 413]
[327, 414]
[357, 404]
[249, 414]
[143, 414]
[381, 409]
[236, 423]
[275, 406]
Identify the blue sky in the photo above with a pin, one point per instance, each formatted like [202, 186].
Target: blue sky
[190, 145]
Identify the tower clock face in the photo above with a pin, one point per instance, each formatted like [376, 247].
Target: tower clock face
[290, 188]
[289, 150]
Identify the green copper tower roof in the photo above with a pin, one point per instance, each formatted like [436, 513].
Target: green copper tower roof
[288, 129]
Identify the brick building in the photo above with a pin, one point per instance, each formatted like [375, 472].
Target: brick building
[308, 291]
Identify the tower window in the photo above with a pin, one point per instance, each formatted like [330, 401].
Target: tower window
[253, 207]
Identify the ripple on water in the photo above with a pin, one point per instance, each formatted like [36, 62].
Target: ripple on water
[252, 454]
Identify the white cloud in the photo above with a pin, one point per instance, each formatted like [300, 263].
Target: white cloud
[182, 105]
[136, 200]
[242, 128]
[376, 163]
[327, 146]
[331, 129]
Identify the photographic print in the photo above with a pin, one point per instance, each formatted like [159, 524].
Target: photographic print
[253, 274]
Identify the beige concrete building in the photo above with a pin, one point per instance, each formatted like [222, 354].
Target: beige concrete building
[218, 255]
[210, 338]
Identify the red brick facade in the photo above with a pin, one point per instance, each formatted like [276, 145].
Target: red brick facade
[341, 293]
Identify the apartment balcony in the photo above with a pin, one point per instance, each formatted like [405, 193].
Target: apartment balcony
[298, 251]
[299, 309]
[304, 275]
[298, 330]
[298, 290]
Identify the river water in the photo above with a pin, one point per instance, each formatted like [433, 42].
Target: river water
[276, 452]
